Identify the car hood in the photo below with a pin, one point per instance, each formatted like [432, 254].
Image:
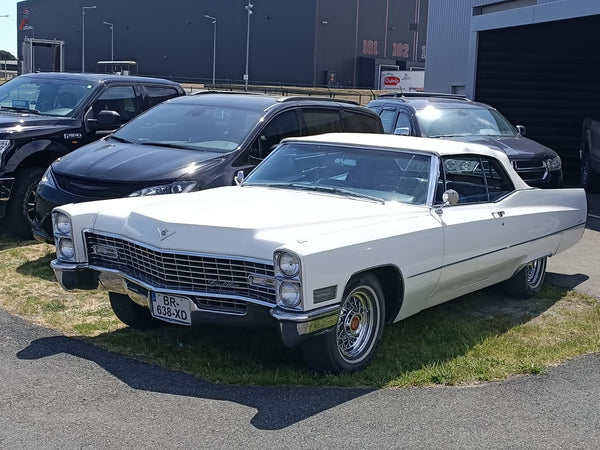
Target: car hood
[246, 220]
[515, 147]
[16, 122]
[111, 160]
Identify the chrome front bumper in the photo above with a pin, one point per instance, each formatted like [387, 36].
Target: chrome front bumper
[294, 327]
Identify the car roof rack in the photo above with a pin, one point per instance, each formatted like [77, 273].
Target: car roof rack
[424, 95]
[290, 98]
[215, 91]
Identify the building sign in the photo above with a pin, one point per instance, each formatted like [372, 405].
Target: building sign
[406, 81]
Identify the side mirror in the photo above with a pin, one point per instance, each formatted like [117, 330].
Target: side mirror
[239, 177]
[108, 120]
[450, 197]
[402, 131]
[521, 129]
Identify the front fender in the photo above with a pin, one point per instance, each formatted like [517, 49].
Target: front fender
[44, 151]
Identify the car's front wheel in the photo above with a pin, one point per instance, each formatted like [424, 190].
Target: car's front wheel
[132, 314]
[21, 207]
[352, 344]
[528, 281]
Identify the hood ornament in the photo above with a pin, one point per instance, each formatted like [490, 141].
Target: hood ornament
[164, 233]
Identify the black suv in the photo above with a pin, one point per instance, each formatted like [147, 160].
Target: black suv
[46, 115]
[456, 117]
[190, 143]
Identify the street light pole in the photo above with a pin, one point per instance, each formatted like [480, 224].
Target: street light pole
[214, 22]
[249, 9]
[83, 8]
[5, 63]
[112, 40]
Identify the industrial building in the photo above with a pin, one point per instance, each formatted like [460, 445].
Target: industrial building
[340, 43]
[535, 60]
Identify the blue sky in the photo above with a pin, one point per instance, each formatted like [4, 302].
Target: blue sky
[8, 26]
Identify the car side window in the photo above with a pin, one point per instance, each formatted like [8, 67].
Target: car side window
[281, 126]
[121, 99]
[359, 123]
[388, 119]
[319, 121]
[403, 125]
[158, 94]
[475, 178]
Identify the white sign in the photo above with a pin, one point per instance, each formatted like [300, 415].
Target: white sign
[407, 81]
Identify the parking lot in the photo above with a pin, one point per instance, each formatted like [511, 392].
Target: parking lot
[59, 392]
[577, 268]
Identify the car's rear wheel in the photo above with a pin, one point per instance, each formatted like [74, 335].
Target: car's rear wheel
[132, 314]
[21, 207]
[528, 281]
[352, 344]
[590, 180]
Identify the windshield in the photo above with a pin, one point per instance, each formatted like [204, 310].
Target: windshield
[401, 176]
[51, 97]
[463, 121]
[192, 126]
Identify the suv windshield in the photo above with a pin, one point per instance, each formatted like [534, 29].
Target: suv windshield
[471, 121]
[52, 97]
[197, 127]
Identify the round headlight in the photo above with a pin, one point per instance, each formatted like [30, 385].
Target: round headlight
[289, 264]
[65, 248]
[290, 294]
[62, 223]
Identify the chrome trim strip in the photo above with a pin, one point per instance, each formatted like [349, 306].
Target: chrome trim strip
[497, 250]
[304, 316]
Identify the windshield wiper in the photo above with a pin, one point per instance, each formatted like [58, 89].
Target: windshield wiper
[120, 139]
[25, 110]
[168, 145]
[326, 189]
[349, 193]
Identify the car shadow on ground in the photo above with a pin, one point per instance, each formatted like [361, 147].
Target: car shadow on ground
[277, 407]
[405, 343]
[8, 241]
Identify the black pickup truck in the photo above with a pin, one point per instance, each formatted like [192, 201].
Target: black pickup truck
[589, 154]
[44, 116]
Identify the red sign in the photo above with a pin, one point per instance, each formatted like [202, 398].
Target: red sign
[391, 81]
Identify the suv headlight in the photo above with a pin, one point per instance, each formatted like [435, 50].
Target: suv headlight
[553, 163]
[176, 187]
[288, 279]
[4, 144]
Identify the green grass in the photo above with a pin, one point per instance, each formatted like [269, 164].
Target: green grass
[481, 337]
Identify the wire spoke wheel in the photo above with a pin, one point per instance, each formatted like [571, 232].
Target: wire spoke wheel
[535, 271]
[352, 343]
[528, 281]
[356, 323]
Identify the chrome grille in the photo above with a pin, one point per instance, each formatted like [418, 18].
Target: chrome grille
[178, 271]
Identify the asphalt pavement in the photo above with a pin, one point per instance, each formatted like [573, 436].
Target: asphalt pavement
[61, 393]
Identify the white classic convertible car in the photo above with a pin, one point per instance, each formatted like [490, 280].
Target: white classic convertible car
[328, 238]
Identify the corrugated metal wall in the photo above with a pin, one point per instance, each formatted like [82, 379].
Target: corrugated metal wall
[448, 32]
[546, 77]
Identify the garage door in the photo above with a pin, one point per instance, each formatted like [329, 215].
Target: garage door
[546, 77]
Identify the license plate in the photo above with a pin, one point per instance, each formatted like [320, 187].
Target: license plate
[171, 308]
